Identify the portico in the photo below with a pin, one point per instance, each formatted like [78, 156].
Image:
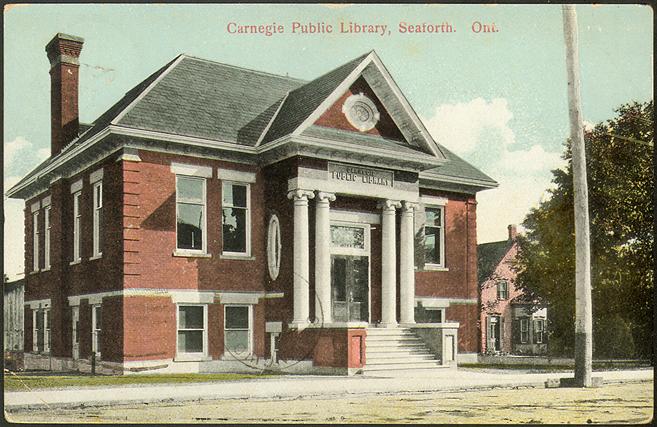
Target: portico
[349, 241]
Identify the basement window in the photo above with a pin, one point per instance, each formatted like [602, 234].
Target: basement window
[237, 330]
[192, 329]
[96, 326]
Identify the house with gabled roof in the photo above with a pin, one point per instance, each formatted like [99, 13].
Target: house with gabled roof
[511, 322]
[224, 219]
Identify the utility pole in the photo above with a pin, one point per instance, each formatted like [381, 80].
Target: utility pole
[583, 306]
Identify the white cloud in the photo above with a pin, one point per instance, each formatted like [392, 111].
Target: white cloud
[13, 149]
[461, 126]
[481, 132]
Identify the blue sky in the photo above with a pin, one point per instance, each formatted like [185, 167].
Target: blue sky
[498, 99]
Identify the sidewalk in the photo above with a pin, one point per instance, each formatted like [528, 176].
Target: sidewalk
[297, 387]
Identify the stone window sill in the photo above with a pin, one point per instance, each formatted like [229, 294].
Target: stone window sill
[435, 267]
[244, 257]
[95, 257]
[33, 272]
[188, 254]
[45, 269]
[77, 261]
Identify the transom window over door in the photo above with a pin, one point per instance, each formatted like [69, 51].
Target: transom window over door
[235, 218]
[190, 213]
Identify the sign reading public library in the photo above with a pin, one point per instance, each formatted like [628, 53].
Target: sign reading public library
[360, 175]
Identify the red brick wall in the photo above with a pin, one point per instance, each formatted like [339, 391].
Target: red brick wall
[149, 328]
[325, 347]
[466, 315]
[111, 338]
[334, 117]
[153, 226]
[85, 329]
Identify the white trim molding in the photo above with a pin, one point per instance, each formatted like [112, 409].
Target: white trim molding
[433, 200]
[235, 175]
[46, 201]
[191, 170]
[183, 296]
[38, 303]
[76, 186]
[35, 206]
[96, 176]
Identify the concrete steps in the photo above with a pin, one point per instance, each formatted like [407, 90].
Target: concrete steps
[396, 349]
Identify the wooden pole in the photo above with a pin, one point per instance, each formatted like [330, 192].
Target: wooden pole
[583, 306]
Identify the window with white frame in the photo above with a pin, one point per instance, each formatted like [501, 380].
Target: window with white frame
[35, 241]
[235, 218]
[77, 216]
[41, 330]
[190, 213]
[539, 328]
[524, 331]
[46, 238]
[96, 328]
[192, 329]
[98, 219]
[237, 329]
[502, 289]
[434, 235]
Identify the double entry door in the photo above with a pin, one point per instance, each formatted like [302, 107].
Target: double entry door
[350, 272]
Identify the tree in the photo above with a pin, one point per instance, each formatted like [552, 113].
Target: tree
[621, 187]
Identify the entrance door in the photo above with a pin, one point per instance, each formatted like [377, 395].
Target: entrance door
[75, 317]
[350, 288]
[494, 334]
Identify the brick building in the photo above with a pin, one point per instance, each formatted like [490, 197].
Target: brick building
[220, 219]
[508, 323]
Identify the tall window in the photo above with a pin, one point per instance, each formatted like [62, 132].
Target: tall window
[191, 329]
[35, 241]
[96, 328]
[237, 326]
[235, 218]
[524, 331]
[98, 218]
[46, 239]
[502, 290]
[539, 327]
[76, 225]
[190, 213]
[434, 236]
[41, 330]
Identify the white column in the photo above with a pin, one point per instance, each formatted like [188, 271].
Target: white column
[301, 255]
[407, 264]
[323, 258]
[388, 264]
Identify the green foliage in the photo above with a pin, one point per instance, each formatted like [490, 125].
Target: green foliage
[619, 156]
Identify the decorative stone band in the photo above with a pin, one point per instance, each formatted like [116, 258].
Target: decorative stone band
[35, 206]
[178, 296]
[129, 154]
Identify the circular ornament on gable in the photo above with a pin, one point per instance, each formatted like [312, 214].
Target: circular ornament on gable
[361, 112]
[274, 246]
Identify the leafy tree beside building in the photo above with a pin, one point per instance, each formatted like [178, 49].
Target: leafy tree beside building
[619, 157]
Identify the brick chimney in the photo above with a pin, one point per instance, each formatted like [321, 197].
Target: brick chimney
[63, 52]
[513, 232]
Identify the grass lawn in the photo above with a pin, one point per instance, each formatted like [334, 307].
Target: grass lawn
[31, 382]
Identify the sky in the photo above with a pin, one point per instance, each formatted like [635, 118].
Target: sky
[497, 99]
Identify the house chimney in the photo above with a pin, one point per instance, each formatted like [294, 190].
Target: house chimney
[513, 232]
[63, 52]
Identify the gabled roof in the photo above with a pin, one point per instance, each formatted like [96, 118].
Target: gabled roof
[225, 104]
[489, 256]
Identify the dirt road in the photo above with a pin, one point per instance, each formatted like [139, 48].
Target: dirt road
[615, 403]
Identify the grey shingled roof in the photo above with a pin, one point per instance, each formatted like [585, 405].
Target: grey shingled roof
[301, 102]
[489, 256]
[210, 100]
[201, 98]
[458, 168]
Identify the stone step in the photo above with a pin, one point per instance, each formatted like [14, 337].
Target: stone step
[395, 344]
[397, 353]
[401, 365]
[406, 359]
[387, 338]
[387, 332]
